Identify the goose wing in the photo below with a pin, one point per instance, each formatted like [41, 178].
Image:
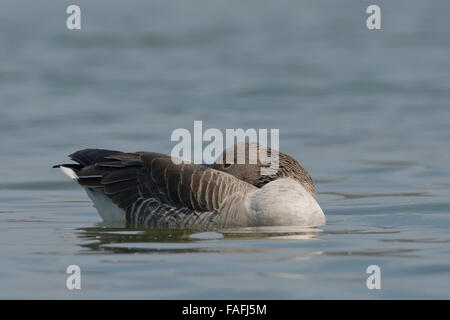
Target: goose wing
[128, 177]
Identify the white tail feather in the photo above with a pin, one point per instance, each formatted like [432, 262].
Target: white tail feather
[107, 209]
[69, 172]
[104, 205]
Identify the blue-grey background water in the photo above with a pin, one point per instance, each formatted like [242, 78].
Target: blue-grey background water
[366, 112]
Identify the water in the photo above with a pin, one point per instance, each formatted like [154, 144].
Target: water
[366, 112]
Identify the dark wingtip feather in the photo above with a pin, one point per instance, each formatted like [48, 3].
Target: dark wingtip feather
[87, 157]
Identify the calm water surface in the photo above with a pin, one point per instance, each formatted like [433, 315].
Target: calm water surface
[366, 112]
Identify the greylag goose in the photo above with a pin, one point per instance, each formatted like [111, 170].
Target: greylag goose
[147, 189]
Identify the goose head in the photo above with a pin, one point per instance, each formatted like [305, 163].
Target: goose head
[251, 170]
